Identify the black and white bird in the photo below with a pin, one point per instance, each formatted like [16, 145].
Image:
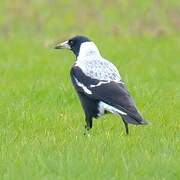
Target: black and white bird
[99, 85]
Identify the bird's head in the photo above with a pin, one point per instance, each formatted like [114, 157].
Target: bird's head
[73, 44]
[78, 44]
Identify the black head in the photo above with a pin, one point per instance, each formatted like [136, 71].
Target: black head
[73, 44]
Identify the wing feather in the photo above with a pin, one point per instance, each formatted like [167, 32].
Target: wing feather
[110, 92]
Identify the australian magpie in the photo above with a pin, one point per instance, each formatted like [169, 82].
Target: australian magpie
[99, 85]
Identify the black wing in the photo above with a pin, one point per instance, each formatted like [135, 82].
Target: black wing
[112, 93]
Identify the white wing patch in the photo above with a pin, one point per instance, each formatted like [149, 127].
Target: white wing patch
[86, 90]
[103, 106]
[103, 82]
[99, 84]
[94, 66]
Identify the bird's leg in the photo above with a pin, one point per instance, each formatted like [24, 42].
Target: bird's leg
[88, 125]
[126, 127]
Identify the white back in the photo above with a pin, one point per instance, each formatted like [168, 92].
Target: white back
[94, 66]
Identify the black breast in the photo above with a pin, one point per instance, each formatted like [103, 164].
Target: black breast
[90, 106]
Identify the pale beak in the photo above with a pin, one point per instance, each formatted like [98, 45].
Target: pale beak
[63, 45]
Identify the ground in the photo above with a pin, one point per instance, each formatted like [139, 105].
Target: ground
[41, 120]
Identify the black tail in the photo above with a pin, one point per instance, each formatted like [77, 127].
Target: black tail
[135, 121]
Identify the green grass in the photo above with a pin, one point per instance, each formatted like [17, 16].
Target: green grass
[41, 120]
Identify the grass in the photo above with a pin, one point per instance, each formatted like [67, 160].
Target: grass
[41, 120]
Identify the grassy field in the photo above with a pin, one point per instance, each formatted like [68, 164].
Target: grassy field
[41, 120]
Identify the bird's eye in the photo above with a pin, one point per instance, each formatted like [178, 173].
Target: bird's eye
[71, 42]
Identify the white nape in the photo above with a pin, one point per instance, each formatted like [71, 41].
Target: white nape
[103, 106]
[88, 49]
[86, 90]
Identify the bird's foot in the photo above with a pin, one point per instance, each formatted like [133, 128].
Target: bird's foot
[87, 128]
